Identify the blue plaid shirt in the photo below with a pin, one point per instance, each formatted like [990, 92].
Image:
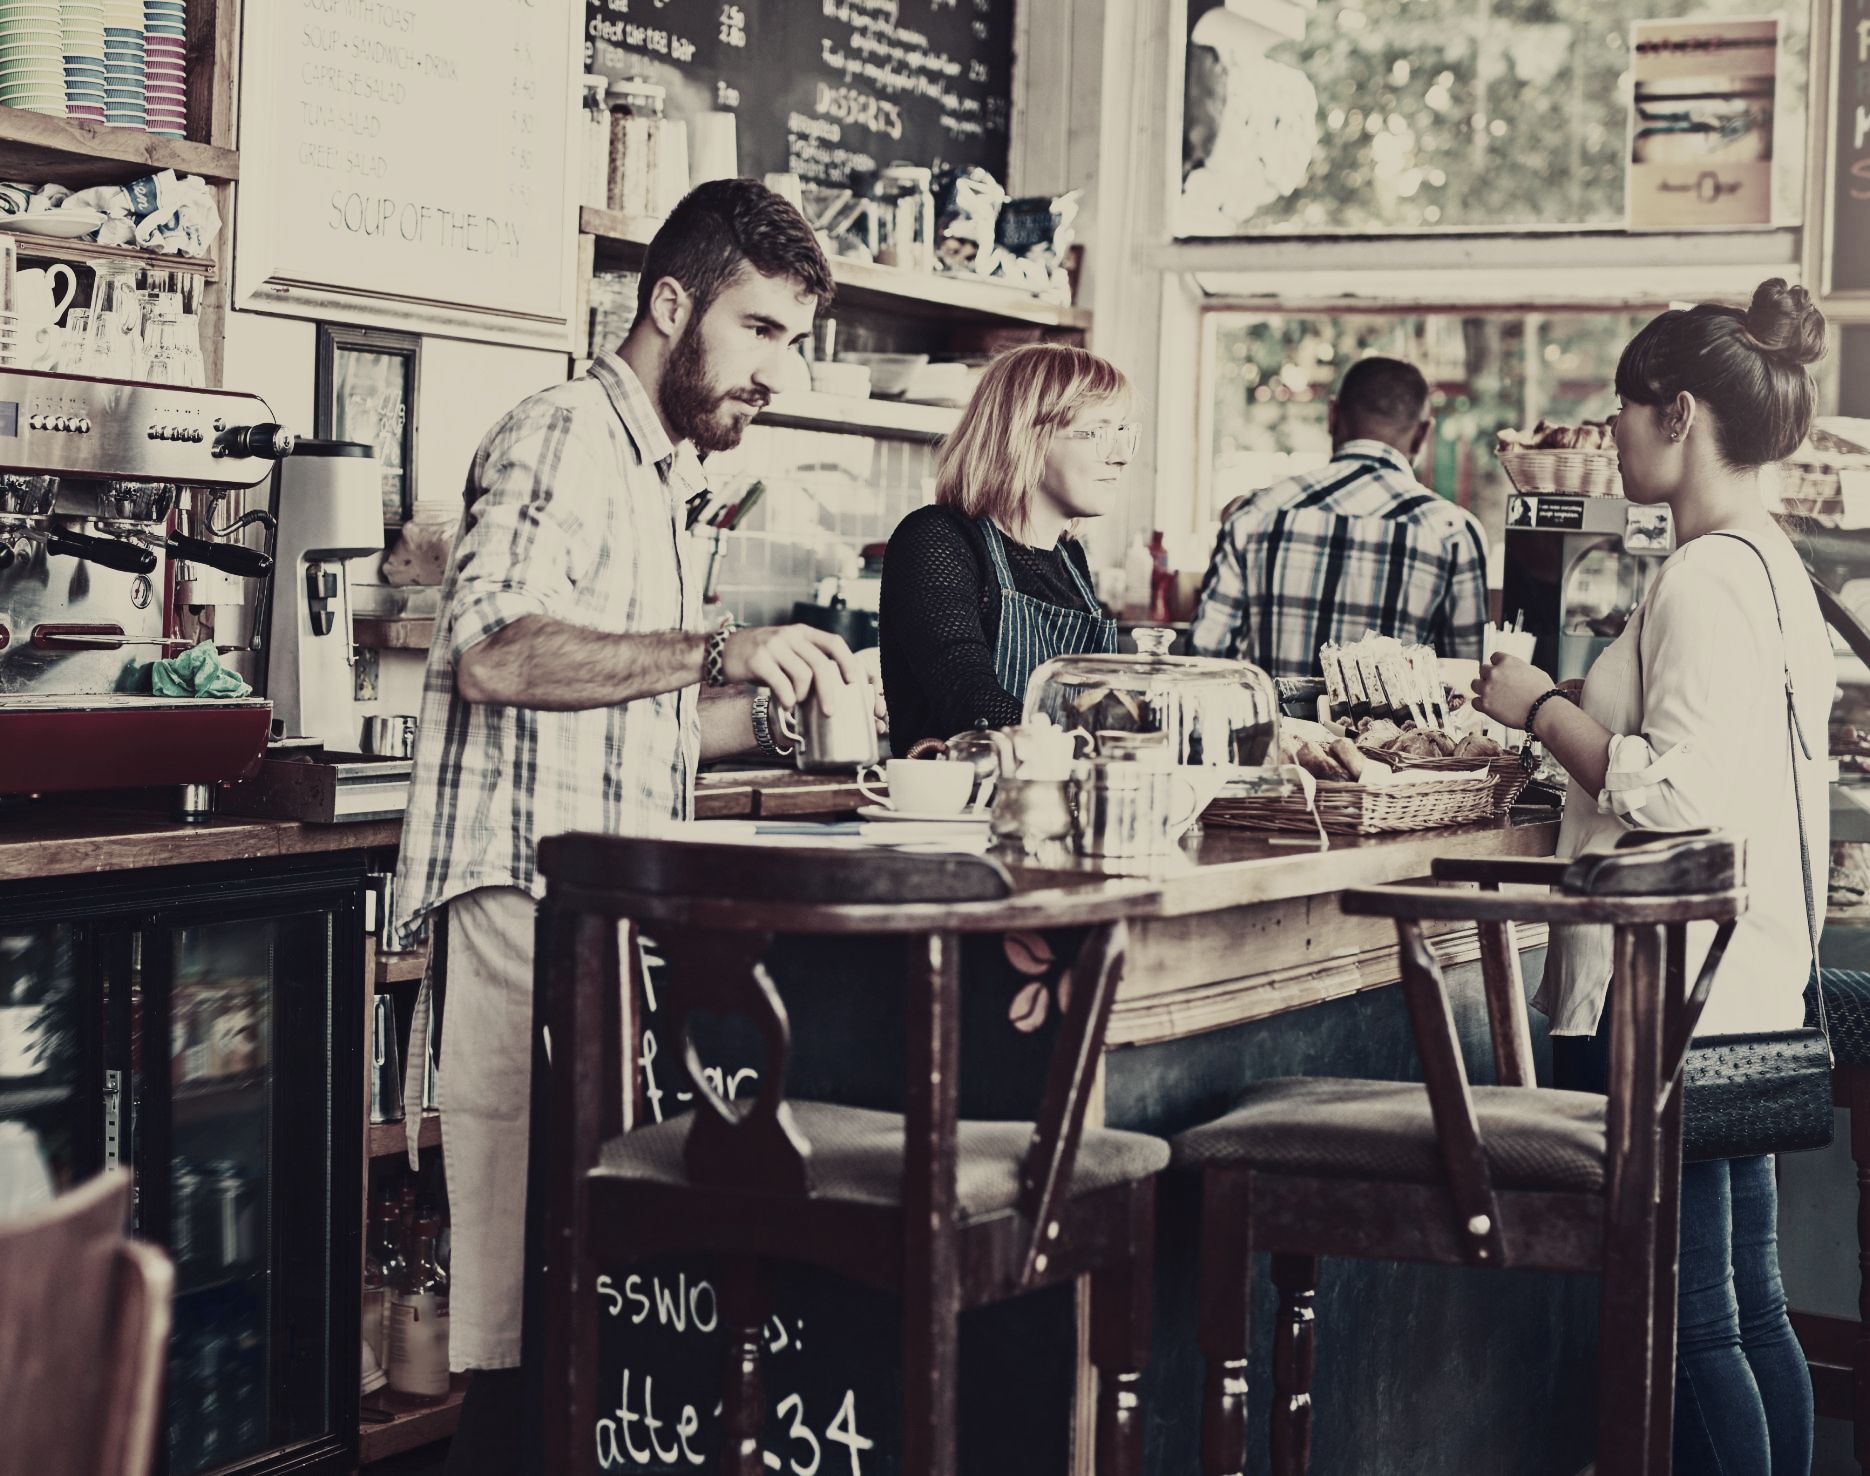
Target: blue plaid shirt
[1358, 545]
[574, 510]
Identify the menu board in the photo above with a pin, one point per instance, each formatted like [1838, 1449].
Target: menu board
[390, 150]
[1850, 154]
[825, 89]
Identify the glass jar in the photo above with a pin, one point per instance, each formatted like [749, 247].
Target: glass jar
[906, 218]
[1216, 713]
[596, 142]
[648, 151]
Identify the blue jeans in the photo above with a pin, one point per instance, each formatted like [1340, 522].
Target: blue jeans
[1743, 1393]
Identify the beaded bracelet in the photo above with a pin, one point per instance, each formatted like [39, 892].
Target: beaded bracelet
[1532, 713]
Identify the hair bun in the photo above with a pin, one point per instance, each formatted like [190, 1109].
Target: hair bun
[1785, 324]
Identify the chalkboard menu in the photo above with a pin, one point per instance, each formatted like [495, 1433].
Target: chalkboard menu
[826, 88]
[392, 152]
[1850, 152]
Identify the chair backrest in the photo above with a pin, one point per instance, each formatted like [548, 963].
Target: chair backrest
[84, 1321]
[1647, 892]
[713, 911]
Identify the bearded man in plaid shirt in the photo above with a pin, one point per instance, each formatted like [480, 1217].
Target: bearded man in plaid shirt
[564, 693]
[1358, 545]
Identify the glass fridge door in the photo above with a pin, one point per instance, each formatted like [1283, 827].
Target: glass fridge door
[254, 1220]
[50, 1046]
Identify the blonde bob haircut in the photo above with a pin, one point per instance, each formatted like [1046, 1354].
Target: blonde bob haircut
[993, 462]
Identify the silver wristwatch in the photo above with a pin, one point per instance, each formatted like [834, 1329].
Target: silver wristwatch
[763, 725]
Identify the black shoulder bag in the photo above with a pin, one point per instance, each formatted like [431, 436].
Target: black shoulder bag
[1767, 1091]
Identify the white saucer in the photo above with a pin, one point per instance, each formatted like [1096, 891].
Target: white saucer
[926, 817]
[65, 224]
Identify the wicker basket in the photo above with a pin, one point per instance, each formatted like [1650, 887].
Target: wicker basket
[1567, 473]
[1509, 774]
[1363, 809]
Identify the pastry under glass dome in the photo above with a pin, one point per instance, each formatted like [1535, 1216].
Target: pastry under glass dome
[1215, 712]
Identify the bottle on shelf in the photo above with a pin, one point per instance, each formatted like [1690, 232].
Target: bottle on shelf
[418, 1368]
[383, 1270]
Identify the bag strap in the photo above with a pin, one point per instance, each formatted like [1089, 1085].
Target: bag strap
[1795, 738]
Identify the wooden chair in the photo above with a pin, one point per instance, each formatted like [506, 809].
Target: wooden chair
[1506, 1176]
[84, 1321]
[951, 1215]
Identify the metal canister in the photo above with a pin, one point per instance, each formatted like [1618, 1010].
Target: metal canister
[1131, 809]
[386, 1075]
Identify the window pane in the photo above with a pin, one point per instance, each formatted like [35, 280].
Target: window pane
[1442, 114]
[1270, 379]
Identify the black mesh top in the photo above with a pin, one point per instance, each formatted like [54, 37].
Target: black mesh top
[940, 615]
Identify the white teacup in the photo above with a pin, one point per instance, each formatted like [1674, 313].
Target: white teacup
[921, 786]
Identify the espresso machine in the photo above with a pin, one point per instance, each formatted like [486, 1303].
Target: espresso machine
[1576, 570]
[124, 538]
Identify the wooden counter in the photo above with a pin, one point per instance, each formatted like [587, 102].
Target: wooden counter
[54, 839]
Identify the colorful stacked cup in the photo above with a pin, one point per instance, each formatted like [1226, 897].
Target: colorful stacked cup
[32, 56]
[84, 58]
[123, 64]
[165, 30]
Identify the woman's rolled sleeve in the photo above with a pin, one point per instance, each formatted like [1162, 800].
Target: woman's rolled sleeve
[1699, 660]
[526, 543]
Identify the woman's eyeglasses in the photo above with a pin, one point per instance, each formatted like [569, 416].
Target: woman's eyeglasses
[1114, 442]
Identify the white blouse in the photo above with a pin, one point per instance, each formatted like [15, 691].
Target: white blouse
[1693, 693]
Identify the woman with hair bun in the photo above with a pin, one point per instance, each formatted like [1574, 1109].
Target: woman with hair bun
[989, 583]
[1682, 723]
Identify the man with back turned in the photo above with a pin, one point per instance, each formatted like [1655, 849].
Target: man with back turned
[1358, 545]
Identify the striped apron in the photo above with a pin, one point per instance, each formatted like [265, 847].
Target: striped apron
[1032, 631]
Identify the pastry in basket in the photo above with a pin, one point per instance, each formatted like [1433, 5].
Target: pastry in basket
[1478, 745]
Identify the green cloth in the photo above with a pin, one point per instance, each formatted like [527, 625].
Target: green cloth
[197, 672]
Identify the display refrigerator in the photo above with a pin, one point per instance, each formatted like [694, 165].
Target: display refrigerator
[203, 1026]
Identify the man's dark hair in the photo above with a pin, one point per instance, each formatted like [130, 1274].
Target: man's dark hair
[1382, 394]
[726, 222]
[1747, 365]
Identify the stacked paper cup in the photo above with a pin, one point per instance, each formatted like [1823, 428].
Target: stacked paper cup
[123, 63]
[32, 56]
[84, 58]
[165, 30]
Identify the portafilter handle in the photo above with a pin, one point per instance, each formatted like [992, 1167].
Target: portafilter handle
[230, 558]
[128, 557]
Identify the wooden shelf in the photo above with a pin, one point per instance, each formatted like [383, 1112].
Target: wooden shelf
[393, 634]
[621, 240]
[390, 1139]
[814, 411]
[411, 1428]
[15, 1100]
[39, 149]
[402, 968]
[89, 253]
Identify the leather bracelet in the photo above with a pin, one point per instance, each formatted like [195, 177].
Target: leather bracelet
[763, 725]
[714, 667]
[1532, 712]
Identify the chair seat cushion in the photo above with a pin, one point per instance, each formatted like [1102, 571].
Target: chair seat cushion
[857, 1156]
[1328, 1127]
[1847, 1007]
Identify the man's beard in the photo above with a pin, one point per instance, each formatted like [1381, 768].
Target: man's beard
[694, 409]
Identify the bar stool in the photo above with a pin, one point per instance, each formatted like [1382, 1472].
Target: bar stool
[1507, 1176]
[952, 1215]
[1839, 1351]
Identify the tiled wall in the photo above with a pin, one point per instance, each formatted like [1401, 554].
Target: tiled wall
[824, 490]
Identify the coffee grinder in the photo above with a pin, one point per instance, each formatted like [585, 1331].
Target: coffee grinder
[329, 505]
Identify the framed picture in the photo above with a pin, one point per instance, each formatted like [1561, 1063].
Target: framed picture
[368, 386]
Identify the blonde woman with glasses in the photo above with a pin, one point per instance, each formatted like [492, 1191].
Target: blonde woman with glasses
[991, 581]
